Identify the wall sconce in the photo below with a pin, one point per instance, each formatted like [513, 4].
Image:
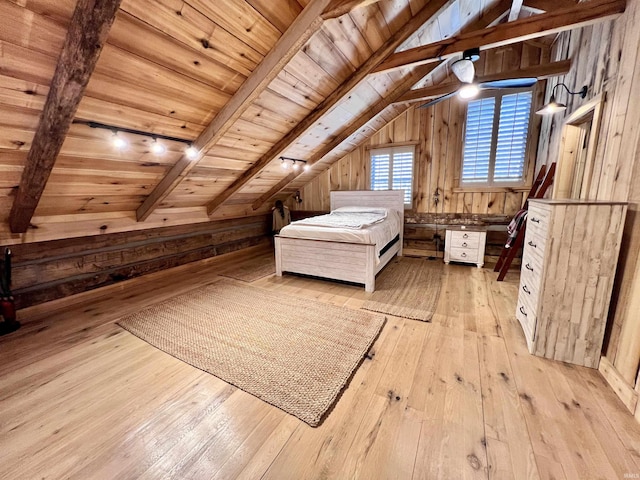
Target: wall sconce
[293, 163]
[157, 147]
[297, 197]
[553, 106]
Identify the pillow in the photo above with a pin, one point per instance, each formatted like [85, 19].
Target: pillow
[362, 209]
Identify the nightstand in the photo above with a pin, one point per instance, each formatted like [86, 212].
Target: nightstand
[465, 244]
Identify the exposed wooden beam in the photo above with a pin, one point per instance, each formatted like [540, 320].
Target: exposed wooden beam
[87, 33]
[428, 11]
[546, 70]
[495, 14]
[342, 7]
[548, 5]
[352, 128]
[301, 30]
[514, 12]
[509, 33]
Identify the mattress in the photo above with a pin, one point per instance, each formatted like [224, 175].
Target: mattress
[378, 234]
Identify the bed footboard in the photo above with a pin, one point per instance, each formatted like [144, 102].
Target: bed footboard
[350, 262]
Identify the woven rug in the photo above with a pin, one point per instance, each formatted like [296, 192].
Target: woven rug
[293, 353]
[407, 287]
[253, 269]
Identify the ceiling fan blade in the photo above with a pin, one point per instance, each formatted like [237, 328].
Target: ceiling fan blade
[438, 100]
[509, 83]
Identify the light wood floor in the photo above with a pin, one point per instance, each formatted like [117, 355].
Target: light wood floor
[457, 398]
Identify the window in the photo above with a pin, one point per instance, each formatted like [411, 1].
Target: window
[495, 140]
[392, 169]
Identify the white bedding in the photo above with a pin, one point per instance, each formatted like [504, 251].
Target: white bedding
[379, 233]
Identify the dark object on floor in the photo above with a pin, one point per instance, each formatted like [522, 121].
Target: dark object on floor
[7, 304]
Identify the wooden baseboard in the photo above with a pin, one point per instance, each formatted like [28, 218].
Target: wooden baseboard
[625, 392]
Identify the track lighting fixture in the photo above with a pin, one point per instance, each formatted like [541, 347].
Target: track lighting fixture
[293, 163]
[157, 147]
[553, 106]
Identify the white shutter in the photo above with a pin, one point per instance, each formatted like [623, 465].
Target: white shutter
[380, 168]
[477, 141]
[494, 150]
[402, 178]
[512, 137]
[392, 169]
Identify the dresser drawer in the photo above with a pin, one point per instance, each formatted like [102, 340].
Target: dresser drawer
[527, 318]
[538, 221]
[463, 254]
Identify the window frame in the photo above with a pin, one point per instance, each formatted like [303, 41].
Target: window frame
[490, 183]
[390, 149]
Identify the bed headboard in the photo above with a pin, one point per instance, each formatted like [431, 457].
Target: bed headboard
[392, 199]
[369, 198]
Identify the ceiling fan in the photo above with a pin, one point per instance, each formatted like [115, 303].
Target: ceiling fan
[465, 71]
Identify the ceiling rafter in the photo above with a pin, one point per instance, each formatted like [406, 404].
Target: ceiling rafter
[296, 36]
[87, 34]
[342, 7]
[537, 26]
[548, 5]
[491, 16]
[514, 12]
[427, 12]
[543, 71]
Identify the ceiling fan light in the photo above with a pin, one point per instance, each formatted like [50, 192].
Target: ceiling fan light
[469, 90]
[463, 69]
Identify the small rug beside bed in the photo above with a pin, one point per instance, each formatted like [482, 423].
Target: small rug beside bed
[293, 353]
[407, 287]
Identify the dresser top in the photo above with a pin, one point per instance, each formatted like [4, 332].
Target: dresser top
[567, 201]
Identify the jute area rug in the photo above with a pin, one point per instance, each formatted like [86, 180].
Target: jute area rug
[407, 287]
[293, 353]
[253, 269]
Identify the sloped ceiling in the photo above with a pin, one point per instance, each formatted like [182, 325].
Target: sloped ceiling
[170, 66]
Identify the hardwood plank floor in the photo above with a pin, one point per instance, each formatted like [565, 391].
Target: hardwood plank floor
[456, 398]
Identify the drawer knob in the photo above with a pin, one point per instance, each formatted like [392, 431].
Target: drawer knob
[464, 244]
[535, 220]
[465, 236]
[522, 311]
[528, 267]
[524, 287]
[530, 243]
[463, 254]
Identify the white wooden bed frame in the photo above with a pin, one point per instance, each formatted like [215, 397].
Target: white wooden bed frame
[351, 262]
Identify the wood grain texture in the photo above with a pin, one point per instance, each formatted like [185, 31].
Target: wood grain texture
[83, 44]
[302, 28]
[509, 33]
[457, 398]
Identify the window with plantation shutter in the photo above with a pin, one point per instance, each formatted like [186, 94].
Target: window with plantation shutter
[392, 169]
[495, 140]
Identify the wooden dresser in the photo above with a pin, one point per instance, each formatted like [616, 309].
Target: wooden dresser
[568, 267]
[465, 244]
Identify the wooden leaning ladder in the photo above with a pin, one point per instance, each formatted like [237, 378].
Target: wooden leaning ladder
[543, 181]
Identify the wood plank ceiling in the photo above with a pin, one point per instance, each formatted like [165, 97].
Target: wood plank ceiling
[170, 66]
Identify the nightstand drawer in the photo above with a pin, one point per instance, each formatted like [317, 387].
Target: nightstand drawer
[463, 254]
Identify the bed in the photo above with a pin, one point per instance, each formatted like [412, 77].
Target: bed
[342, 255]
